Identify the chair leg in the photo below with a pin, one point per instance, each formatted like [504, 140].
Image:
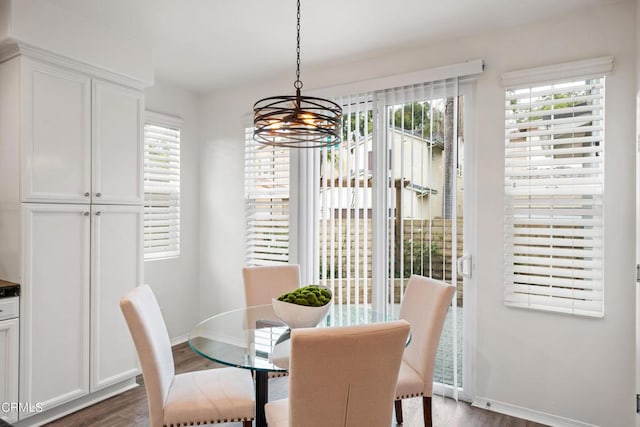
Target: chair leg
[398, 411]
[247, 423]
[426, 410]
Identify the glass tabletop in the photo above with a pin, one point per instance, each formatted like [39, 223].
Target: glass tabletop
[254, 337]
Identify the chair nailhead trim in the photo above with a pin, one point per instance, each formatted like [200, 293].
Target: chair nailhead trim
[406, 396]
[278, 374]
[191, 423]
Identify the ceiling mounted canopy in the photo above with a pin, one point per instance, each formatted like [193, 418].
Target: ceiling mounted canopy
[294, 120]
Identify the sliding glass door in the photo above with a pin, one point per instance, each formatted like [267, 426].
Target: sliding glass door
[391, 203]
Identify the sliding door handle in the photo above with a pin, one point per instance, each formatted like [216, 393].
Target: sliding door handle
[464, 266]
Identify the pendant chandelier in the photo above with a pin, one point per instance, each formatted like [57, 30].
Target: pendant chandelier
[294, 120]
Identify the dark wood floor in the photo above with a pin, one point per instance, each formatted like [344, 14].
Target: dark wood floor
[130, 408]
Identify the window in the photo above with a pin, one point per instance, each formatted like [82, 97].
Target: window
[266, 202]
[161, 186]
[554, 182]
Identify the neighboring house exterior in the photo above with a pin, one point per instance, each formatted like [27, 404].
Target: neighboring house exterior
[417, 168]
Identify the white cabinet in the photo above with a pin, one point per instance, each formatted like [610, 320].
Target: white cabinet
[55, 133]
[81, 138]
[117, 144]
[71, 193]
[116, 264]
[9, 360]
[55, 304]
[81, 260]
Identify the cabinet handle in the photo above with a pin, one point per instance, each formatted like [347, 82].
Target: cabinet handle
[87, 194]
[98, 213]
[86, 214]
[98, 194]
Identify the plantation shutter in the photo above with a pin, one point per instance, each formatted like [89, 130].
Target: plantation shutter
[554, 182]
[266, 202]
[161, 186]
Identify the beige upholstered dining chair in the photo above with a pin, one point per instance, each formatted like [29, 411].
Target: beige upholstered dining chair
[342, 376]
[200, 397]
[266, 282]
[425, 305]
[263, 283]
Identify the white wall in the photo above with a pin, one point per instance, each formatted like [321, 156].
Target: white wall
[175, 281]
[48, 25]
[637, 320]
[572, 367]
[5, 15]
[221, 203]
[569, 366]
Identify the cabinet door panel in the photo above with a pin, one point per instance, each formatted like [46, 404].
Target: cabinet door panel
[55, 135]
[54, 315]
[116, 269]
[9, 368]
[117, 144]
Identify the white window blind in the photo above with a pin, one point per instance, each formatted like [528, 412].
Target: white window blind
[396, 144]
[266, 202]
[554, 180]
[161, 186]
[345, 205]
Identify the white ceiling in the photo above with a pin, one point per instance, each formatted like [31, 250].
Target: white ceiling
[203, 45]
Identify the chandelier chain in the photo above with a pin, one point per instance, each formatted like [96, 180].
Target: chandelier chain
[298, 83]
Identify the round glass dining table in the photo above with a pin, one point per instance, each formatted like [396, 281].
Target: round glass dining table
[254, 338]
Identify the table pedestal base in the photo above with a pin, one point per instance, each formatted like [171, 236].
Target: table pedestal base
[262, 396]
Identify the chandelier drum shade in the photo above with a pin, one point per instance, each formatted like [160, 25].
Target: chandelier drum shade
[297, 121]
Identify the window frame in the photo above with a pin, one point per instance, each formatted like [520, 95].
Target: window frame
[271, 218]
[574, 285]
[172, 123]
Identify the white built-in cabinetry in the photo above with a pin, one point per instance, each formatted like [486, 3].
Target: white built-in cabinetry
[55, 301]
[117, 118]
[72, 183]
[79, 138]
[9, 330]
[116, 231]
[79, 261]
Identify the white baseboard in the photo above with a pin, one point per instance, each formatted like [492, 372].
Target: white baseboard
[527, 414]
[179, 339]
